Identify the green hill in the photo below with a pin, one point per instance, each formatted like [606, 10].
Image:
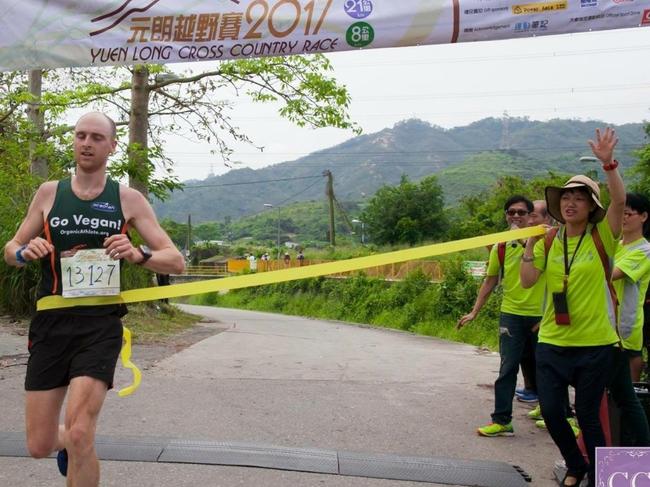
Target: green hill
[467, 159]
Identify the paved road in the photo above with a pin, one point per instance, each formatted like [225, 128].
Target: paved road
[298, 382]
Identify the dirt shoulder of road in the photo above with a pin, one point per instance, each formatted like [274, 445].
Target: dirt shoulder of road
[148, 347]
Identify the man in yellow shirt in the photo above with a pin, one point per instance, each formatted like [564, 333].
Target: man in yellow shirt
[521, 311]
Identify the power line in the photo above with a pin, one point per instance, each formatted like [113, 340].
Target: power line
[277, 205]
[458, 114]
[407, 153]
[249, 182]
[299, 193]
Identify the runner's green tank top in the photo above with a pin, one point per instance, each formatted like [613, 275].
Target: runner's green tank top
[73, 223]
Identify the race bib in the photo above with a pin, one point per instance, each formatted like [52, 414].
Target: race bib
[89, 272]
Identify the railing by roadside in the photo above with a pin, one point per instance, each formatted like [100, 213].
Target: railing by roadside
[391, 272]
[219, 270]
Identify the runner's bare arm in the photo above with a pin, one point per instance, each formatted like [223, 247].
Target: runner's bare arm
[31, 228]
[165, 259]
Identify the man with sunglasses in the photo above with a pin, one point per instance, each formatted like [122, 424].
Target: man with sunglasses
[521, 311]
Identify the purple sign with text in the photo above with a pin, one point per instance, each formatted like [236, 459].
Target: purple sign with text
[622, 467]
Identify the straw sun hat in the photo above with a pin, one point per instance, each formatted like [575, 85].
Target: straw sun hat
[554, 193]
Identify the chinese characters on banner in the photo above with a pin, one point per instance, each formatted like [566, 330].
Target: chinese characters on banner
[36, 34]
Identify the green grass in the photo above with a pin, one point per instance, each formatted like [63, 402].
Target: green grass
[154, 322]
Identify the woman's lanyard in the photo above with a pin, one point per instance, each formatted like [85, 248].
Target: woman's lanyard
[567, 264]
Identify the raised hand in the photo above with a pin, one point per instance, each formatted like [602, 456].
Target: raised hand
[603, 147]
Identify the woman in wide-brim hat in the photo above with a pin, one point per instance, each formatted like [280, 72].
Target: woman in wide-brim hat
[577, 332]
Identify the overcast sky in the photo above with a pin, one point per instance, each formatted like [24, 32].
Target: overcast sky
[598, 75]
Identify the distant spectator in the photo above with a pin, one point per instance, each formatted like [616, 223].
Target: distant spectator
[287, 259]
[301, 258]
[252, 262]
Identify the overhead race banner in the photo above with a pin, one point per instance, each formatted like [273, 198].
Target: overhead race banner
[60, 33]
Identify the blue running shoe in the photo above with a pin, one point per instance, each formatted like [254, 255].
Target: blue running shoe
[62, 462]
[520, 391]
[527, 396]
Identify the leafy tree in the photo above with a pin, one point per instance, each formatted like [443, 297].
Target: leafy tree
[406, 213]
[642, 168]
[18, 144]
[176, 231]
[209, 231]
[482, 213]
[154, 102]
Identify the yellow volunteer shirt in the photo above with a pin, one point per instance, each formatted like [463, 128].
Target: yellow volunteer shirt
[590, 305]
[634, 260]
[516, 299]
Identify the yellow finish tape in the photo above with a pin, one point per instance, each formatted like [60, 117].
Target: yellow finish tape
[262, 278]
[125, 355]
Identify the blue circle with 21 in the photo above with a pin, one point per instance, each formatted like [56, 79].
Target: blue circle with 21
[358, 9]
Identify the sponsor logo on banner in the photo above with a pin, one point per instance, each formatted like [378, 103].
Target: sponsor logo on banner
[588, 3]
[645, 19]
[360, 34]
[469, 30]
[624, 467]
[622, 1]
[531, 26]
[485, 10]
[358, 9]
[608, 15]
[533, 8]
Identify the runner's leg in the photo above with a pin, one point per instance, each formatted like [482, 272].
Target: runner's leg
[84, 404]
[42, 412]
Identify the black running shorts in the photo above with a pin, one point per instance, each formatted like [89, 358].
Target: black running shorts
[62, 347]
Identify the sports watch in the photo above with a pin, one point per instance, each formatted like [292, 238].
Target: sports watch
[146, 254]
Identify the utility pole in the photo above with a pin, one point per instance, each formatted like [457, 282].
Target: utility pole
[188, 243]
[329, 191]
[505, 132]
[38, 165]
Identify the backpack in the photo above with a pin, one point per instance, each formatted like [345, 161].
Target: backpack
[501, 254]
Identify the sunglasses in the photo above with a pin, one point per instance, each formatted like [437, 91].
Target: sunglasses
[517, 212]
